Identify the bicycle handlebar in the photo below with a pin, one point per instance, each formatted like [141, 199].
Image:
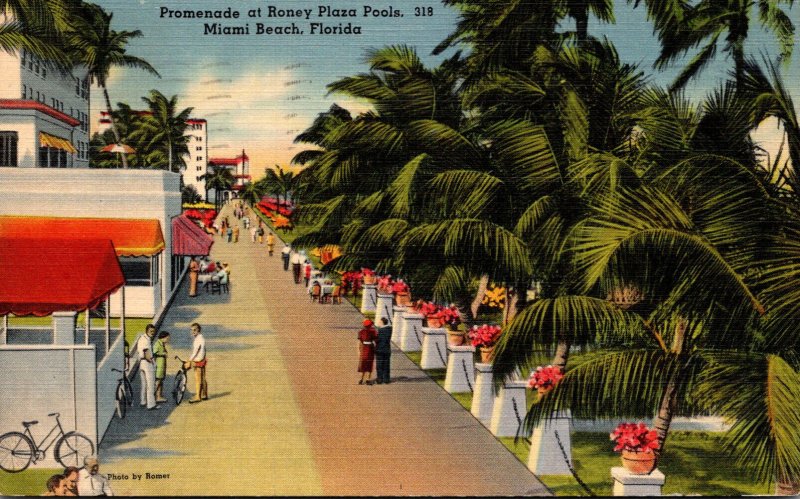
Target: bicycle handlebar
[54, 414]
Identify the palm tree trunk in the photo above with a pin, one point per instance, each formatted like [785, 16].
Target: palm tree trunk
[483, 283]
[114, 125]
[562, 354]
[582, 27]
[669, 400]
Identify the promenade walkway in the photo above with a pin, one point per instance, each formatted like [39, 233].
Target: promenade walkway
[286, 415]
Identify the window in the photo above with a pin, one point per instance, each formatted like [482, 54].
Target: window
[30, 92]
[199, 168]
[77, 87]
[36, 66]
[199, 139]
[24, 90]
[37, 95]
[85, 88]
[199, 148]
[50, 157]
[8, 148]
[139, 270]
[199, 158]
[23, 57]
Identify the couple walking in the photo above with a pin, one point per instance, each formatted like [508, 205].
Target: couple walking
[375, 345]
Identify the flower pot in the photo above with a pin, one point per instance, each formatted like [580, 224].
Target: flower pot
[403, 299]
[370, 279]
[455, 338]
[543, 390]
[434, 321]
[638, 463]
[487, 354]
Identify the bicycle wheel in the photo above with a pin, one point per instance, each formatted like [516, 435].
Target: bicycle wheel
[16, 452]
[121, 402]
[180, 387]
[73, 448]
[128, 392]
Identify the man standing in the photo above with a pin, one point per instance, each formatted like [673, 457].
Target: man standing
[297, 263]
[270, 242]
[198, 362]
[147, 367]
[90, 481]
[383, 351]
[285, 256]
[160, 354]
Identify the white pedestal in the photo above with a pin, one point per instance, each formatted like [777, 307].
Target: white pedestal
[384, 309]
[396, 318]
[483, 397]
[628, 484]
[434, 348]
[411, 339]
[546, 457]
[460, 377]
[369, 298]
[509, 410]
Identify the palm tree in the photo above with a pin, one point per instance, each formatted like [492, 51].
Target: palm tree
[93, 43]
[220, 179]
[163, 129]
[251, 193]
[189, 195]
[37, 26]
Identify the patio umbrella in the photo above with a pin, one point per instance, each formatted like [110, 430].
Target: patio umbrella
[119, 148]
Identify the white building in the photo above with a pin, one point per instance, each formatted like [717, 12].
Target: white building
[44, 114]
[197, 159]
[239, 167]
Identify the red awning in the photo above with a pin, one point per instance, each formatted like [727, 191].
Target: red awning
[188, 239]
[131, 237]
[42, 276]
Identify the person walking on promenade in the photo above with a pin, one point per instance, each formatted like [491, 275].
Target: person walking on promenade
[306, 273]
[198, 362]
[236, 233]
[260, 234]
[270, 243]
[285, 255]
[383, 352]
[253, 233]
[160, 354]
[229, 232]
[297, 263]
[147, 368]
[194, 273]
[246, 223]
[90, 481]
[366, 351]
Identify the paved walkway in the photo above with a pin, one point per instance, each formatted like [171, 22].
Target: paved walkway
[286, 415]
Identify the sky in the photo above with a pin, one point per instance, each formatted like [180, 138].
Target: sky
[258, 91]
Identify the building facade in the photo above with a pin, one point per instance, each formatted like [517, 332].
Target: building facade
[44, 114]
[238, 166]
[197, 159]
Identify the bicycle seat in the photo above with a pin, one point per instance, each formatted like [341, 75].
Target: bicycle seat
[29, 423]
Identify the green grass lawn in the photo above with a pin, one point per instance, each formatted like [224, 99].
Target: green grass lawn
[32, 481]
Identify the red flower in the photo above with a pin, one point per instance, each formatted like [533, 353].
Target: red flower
[385, 284]
[449, 315]
[634, 437]
[428, 308]
[545, 377]
[399, 287]
[365, 271]
[485, 335]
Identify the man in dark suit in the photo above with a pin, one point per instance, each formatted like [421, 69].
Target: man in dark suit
[383, 351]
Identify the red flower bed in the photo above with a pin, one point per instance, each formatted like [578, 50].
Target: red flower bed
[206, 217]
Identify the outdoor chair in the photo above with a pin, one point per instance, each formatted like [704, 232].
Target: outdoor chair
[220, 285]
[336, 295]
[316, 292]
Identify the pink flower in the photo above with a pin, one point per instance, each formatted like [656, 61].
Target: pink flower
[634, 437]
[485, 335]
[545, 377]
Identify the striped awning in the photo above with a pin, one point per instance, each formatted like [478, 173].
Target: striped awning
[47, 140]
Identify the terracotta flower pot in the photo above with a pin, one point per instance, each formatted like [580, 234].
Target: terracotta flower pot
[455, 338]
[487, 354]
[370, 279]
[434, 321]
[638, 463]
[403, 299]
[542, 390]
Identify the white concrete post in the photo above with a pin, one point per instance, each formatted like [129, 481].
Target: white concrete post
[384, 308]
[628, 484]
[483, 397]
[108, 323]
[434, 348]
[411, 339]
[4, 334]
[546, 457]
[88, 327]
[396, 322]
[122, 313]
[460, 377]
[369, 298]
[509, 410]
[64, 328]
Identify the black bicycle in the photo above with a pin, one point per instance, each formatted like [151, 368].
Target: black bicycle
[179, 388]
[19, 450]
[124, 392]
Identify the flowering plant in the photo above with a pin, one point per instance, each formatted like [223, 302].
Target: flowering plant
[351, 281]
[449, 315]
[545, 377]
[399, 287]
[385, 283]
[634, 437]
[367, 272]
[485, 335]
[495, 297]
[427, 308]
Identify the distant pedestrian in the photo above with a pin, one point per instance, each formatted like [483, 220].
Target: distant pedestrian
[198, 362]
[260, 235]
[253, 233]
[383, 352]
[160, 354]
[285, 255]
[236, 233]
[297, 263]
[270, 243]
[229, 232]
[246, 223]
[194, 273]
[366, 351]
[306, 273]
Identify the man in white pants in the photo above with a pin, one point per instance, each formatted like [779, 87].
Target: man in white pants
[147, 367]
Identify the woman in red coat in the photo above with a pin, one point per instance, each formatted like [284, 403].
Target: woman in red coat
[366, 351]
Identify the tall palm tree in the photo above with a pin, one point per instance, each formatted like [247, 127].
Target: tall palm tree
[251, 193]
[163, 129]
[93, 43]
[37, 26]
[220, 179]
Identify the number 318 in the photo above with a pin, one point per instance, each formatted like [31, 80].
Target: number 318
[423, 11]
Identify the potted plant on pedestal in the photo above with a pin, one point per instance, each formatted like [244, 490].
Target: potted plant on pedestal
[369, 276]
[637, 443]
[451, 318]
[402, 293]
[544, 379]
[430, 311]
[485, 337]
[385, 284]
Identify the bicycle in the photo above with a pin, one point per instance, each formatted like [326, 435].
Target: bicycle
[179, 387]
[124, 392]
[19, 450]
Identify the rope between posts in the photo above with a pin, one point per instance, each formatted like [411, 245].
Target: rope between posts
[439, 351]
[519, 419]
[571, 469]
[466, 375]
[416, 333]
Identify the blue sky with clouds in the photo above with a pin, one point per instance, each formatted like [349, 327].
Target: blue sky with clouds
[258, 91]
